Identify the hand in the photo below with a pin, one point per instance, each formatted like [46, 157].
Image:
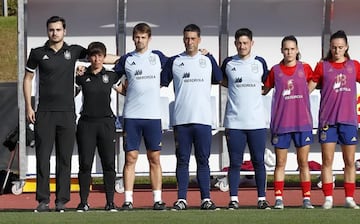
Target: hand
[122, 87]
[30, 115]
[204, 51]
[80, 70]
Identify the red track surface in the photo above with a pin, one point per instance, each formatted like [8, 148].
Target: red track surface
[143, 198]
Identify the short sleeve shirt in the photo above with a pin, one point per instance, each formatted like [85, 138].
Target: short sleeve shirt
[56, 75]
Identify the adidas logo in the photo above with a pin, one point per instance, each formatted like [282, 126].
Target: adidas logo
[182, 64]
[307, 139]
[45, 57]
[233, 69]
[88, 80]
[133, 63]
[354, 139]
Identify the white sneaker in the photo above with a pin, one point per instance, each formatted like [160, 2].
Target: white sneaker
[327, 204]
[279, 204]
[350, 203]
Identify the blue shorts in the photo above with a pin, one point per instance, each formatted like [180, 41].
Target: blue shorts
[135, 129]
[300, 139]
[343, 134]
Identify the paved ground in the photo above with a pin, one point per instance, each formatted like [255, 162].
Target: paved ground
[143, 198]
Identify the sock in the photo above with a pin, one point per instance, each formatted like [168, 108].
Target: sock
[306, 187]
[278, 188]
[261, 198]
[129, 196]
[349, 189]
[327, 189]
[157, 195]
[234, 198]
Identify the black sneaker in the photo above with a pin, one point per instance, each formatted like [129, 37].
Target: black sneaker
[263, 204]
[159, 205]
[111, 207]
[179, 205]
[83, 207]
[60, 207]
[42, 207]
[127, 206]
[233, 205]
[208, 205]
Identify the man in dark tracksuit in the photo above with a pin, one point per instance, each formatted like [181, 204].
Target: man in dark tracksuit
[55, 116]
[96, 126]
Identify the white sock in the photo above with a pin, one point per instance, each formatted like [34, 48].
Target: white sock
[157, 195]
[278, 197]
[261, 198]
[129, 196]
[234, 198]
[349, 199]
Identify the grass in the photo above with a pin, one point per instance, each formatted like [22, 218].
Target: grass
[244, 215]
[8, 49]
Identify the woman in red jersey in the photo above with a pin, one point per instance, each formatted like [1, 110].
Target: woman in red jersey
[291, 117]
[337, 75]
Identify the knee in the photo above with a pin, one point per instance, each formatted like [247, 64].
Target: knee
[85, 167]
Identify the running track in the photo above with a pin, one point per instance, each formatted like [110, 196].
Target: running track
[143, 198]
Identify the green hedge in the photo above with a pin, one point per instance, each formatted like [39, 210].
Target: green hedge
[12, 7]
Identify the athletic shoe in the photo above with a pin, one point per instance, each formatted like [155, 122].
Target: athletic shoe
[307, 204]
[233, 205]
[263, 204]
[351, 204]
[83, 207]
[127, 206]
[179, 205]
[42, 207]
[208, 205]
[60, 207]
[279, 204]
[159, 205]
[327, 204]
[111, 207]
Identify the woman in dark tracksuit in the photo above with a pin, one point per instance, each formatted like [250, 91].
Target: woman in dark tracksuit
[96, 126]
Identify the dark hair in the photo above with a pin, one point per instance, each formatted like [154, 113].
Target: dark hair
[55, 19]
[291, 38]
[338, 34]
[192, 28]
[142, 28]
[243, 32]
[96, 48]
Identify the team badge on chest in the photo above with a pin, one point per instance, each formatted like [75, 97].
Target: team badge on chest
[254, 68]
[105, 78]
[152, 60]
[67, 55]
[202, 63]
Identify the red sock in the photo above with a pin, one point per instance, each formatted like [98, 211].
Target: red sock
[349, 189]
[327, 189]
[306, 187]
[278, 188]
